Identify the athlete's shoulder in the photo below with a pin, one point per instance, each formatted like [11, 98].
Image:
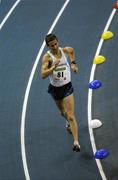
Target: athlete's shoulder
[68, 49]
[46, 57]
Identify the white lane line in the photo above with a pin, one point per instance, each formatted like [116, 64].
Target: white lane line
[90, 92]
[9, 13]
[24, 109]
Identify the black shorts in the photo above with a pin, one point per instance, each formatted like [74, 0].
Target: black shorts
[60, 92]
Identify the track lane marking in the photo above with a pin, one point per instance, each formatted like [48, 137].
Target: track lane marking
[24, 109]
[9, 13]
[90, 92]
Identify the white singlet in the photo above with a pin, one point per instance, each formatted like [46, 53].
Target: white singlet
[62, 74]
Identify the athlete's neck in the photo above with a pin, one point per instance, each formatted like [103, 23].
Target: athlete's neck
[55, 52]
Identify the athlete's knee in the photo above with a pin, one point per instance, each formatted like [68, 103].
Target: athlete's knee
[63, 113]
[70, 116]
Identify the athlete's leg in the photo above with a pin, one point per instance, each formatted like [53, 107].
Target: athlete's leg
[68, 104]
[62, 110]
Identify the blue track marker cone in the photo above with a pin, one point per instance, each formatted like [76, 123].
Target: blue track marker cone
[101, 154]
[95, 84]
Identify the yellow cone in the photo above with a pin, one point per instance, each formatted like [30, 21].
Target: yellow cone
[107, 35]
[99, 59]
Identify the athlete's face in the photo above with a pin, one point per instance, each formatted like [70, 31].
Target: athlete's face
[53, 45]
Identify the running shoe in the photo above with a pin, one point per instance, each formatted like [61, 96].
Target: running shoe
[76, 147]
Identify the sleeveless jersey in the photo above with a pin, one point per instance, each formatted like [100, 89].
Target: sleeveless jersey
[61, 74]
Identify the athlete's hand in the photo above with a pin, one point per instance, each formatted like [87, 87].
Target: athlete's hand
[74, 68]
[56, 63]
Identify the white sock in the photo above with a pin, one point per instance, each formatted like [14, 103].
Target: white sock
[67, 123]
[76, 142]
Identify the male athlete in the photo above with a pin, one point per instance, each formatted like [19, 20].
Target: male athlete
[56, 66]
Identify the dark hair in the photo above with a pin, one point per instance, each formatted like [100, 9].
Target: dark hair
[50, 37]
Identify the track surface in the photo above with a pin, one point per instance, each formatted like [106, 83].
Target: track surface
[48, 146]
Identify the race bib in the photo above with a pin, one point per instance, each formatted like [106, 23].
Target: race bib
[60, 73]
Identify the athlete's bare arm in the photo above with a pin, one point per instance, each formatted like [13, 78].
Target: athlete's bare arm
[70, 52]
[47, 66]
